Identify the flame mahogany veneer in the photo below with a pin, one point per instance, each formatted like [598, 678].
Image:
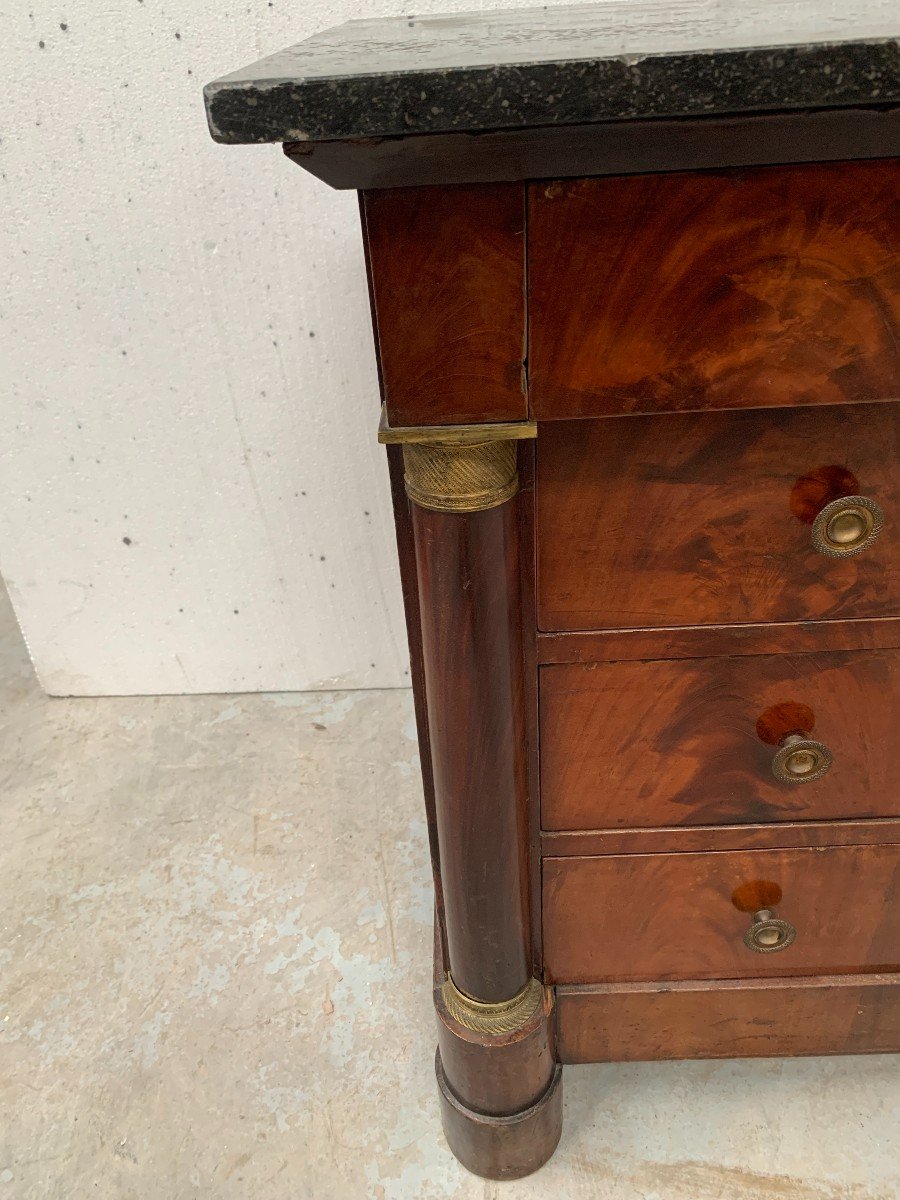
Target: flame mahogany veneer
[635, 417]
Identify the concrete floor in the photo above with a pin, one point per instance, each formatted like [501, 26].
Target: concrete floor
[214, 981]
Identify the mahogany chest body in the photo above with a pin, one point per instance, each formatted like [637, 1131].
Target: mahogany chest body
[640, 375]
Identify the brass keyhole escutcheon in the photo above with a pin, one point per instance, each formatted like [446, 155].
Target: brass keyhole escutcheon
[769, 933]
[847, 526]
[801, 760]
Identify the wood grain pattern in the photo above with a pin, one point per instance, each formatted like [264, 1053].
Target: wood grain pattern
[674, 520]
[642, 744]
[671, 916]
[685, 839]
[699, 641]
[735, 289]
[448, 270]
[853, 1014]
[468, 575]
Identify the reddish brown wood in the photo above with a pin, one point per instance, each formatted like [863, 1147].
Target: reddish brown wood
[468, 573]
[532, 718]
[682, 520]
[731, 289]
[698, 641]
[691, 741]
[500, 1074]
[852, 1014]
[448, 269]
[683, 839]
[509, 1147]
[406, 553]
[501, 1098]
[671, 916]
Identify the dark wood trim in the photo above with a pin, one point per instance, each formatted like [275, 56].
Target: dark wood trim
[532, 714]
[718, 641]
[684, 840]
[467, 566]
[613, 148]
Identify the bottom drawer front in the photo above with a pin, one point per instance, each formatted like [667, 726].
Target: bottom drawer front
[685, 916]
[849, 1014]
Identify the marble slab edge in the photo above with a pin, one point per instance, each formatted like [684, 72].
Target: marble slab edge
[571, 92]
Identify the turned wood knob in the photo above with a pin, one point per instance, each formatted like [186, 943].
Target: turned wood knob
[801, 760]
[768, 934]
[847, 526]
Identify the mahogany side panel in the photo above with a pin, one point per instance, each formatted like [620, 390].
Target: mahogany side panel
[674, 520]
[468, 574]
[691, 741]
[448, 280]
[854, 1014]
[729, 289]
[677, 916]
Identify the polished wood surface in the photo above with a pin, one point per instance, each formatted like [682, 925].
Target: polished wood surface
[448, 284]
[675, 520]
[673, 916]
[712, 290]
[852, 1014]
[468, 577]
[691, 741]
[615, 148]
[698, 641]
[684, 839]
[504, 1148]
[532, 699]
[495, 1074]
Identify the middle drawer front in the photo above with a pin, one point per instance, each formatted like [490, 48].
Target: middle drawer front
[685, 916]
[697, 519]
[694, 741]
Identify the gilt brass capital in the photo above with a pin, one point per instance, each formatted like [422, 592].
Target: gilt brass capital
[460, 479]
[496, 1018]
[459, 468]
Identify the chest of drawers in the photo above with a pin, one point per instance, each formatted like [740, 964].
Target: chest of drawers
[635, 293]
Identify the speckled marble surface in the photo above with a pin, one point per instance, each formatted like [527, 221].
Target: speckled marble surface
[519, 68]
[215, 929]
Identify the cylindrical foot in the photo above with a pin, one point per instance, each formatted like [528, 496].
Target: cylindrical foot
[502, 1147]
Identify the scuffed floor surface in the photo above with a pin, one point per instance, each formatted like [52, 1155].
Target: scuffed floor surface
[214, 982]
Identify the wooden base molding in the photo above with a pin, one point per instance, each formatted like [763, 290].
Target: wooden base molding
[752, 1018]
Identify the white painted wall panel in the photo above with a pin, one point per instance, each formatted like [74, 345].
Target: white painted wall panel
[191, 498]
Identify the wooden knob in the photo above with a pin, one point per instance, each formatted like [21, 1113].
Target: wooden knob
[801, 760]
[847, 526]
[768, 934]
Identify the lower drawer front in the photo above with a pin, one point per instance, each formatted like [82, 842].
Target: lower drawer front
[847, 1014]
[684, 916]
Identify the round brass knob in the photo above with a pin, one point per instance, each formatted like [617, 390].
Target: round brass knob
[801, 760]
[768, 934]
[847, 526]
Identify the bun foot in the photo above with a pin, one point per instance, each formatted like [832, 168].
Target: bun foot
[508, 1147]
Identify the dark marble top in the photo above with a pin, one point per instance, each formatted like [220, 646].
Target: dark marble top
[515, 69]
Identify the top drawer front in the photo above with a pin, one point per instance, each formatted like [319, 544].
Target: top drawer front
[661, 521]
[738, 289]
